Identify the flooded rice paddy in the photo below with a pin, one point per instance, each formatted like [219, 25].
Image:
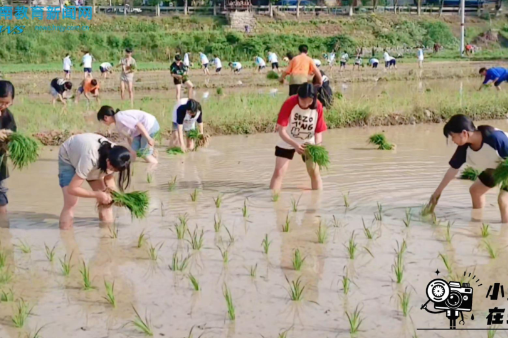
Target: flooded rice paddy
[239, 168]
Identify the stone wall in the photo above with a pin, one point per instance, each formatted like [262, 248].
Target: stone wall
[238, 20]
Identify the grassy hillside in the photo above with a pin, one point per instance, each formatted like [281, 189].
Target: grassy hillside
[153, 39]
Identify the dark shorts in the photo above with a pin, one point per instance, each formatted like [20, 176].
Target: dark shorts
[237, 70]
[178, 81]
[293, 89]
[103, 70]
[286, 153]
[261, 67]
[374, 65]
[87, 70]
[487, 178]
[217, 70]
[3, 195]
[67, 71]
[343, 64]
[498, 82]
[275, 65]
[205, 66]
[80, 90]
[393, 62]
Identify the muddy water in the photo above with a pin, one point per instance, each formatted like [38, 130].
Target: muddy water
[240, 168]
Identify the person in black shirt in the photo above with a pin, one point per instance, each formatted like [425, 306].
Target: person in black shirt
[179, 74]
[6, 122]
[58, 87]
[187, 115]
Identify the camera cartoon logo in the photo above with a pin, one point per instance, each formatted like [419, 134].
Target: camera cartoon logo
[451, 298]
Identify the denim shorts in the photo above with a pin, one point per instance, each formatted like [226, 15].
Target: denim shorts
[3, 194]
[141, 143]
[65, 173]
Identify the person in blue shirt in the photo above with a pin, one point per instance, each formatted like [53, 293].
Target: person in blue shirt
[481, 147]
[496, 75]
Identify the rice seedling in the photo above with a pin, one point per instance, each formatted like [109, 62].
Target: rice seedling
[407, 220]
[196, 239]
[217, 223]
[266, 244]
[493, 251]
[355, 320]
[137, 202]
[110, 293]
[178, 263]
[253, 270]
[287, 224]
[220, 91]
[153, 251]
[7, 296]
[398, 268]
[322, 233]
[194, 195]
[35, 334]
[175, 151]
[352, 246]
[225, 254]
[149, 178]
[298, 260]
[335, 222]
[446, 262]
[85, 274]
[245, 211]
[144, 325]
[271, 75]
[172, 184]
[366, 230]
[229, 302]
[194, 282]
[318, 155]
[50, 253]
[3, 258]
[381, 141]
[141, 239]
[6, 276]
[296, 289]
[24, 247]
[346, 283]
[230, 235]
[23, 310]
[193, 134]
[485, 230]
[448, 233]
[275, 196]
[182, 227]
[284, 334]
[491, 333]
[295, 203]
[66, 265]
[23, 150]
[345, 197]
[404, 302]
[501, 173]
[470, 173]
[218, 201]
[113, 231]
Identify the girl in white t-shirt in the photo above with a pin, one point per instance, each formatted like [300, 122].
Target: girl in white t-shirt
[187, 115]
[137, 126]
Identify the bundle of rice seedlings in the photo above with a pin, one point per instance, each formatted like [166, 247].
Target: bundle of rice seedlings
[203, 140]
[317, 154]
[175, 151]
[470, 173]
[501, 173]
[193, 134]
[142, 152]
[23, 150]
[381, 141]
[132, 67]
[272, 75]
[137, 202]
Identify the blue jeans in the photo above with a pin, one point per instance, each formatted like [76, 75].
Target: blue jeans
[141, 143]
[66, 173]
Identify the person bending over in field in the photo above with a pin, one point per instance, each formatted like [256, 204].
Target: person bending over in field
[106, 68]
[59, 89]
[236, 67]
[128, 65]
[88, 87]
[482, 147]
[496, 75]
[6, 122]
[91, 158]
[218, 64]
[300, 121]
[186, 114]
[139, 127]
[204, 63]
[178, 72]
[260, 63]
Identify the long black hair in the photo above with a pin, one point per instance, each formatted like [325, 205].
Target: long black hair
[457, 124]
[106, 111]
[6, 89]
[120, 158]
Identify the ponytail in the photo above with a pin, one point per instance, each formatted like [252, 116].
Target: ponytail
[119, 158]
[106, 111]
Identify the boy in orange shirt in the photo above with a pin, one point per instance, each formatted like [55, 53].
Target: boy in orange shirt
[88, 86]
[300, 69]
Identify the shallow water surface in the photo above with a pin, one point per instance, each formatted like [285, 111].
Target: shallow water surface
[240, 168]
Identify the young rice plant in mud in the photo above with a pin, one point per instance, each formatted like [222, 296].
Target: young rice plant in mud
[470, 173]
[24, 247]
[493, 251]
[446, 262]
[35, 334]
[346, 283]
[352, 246]
[448, 233]
[153, 251]
[253, 270]
[7, 296]
[23, 310]
[381, 141]
[66, 265]
[404, 302]
[298, 260]
[50, 252]
[229, 303]
[218, 201]
[172, 184]
[113, 231]
[407, 219]
[6, 276]
[379, 214]
[196, 239]
[367, 231]
[398, 268]
[296, 289]
[355, 320]
[322, 233]
[110, 293]
[336, 223]
[230, 235]
[178, 263]
[194, 195]
[287, 224]
[195, 283]
[3, 258]
[485, 230]
[266, 244]
[149, 178]
[85, 274]
[284, 334]
[217, 223]
[143, 325]
[181, 227]
[295, 203]
[141, 239]
[224, 254]
[275, 196]
[245, 210]
[345, 197]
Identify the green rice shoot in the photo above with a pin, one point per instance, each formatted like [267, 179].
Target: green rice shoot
[322, 233]
[85, 274]
[110, 293]
[253, 270]
[381, 141]
[193, 134]
[6, 276]
[153, 251]
[500, 174]
[217, 223]
[266, 244]
[194, 195]
[296, 289]
[355, 320]
[245, 210]
[3, 258]
[137, 202]
[23, 150]
[7, 296]
[142, 153]
[175, 151]
[24, 247]
[447, 263]
[318, 155]
[195, 283]
[287, 224]
[346, 283]
[172, 184]
[470, 173]
[398, 268]
[295, 203]
[196, 239]
[492, 250]
[218, 201]
[298, 260]
[23, 310]
[178, 264]
[485, 230]
[66, 265]
[50, 253]
[141, 239]
[229, 303]
[144, 325]
[404, 302]
[352, 246]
